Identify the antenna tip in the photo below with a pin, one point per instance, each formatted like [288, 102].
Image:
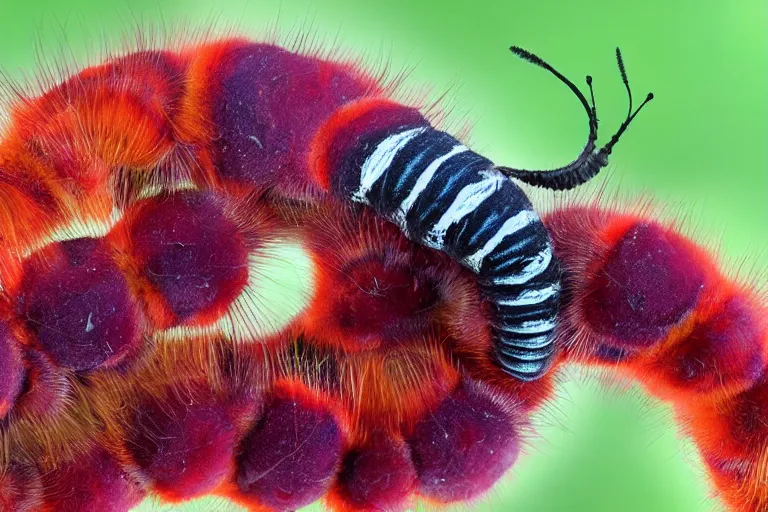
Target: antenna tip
[589, 79]
[649, 97]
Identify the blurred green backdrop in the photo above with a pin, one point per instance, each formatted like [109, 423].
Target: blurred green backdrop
[700, 146]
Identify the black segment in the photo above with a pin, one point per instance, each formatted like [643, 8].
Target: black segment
[390, 190]
[345, 179]
[458, 172]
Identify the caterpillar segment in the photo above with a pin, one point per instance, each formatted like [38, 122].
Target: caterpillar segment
[150, 346]
[648, 303]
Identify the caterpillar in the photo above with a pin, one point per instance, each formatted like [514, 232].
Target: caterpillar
[148, 205]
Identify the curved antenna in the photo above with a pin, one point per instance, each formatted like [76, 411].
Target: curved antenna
[590, 161]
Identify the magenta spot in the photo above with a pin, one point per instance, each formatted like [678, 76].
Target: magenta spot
[464, 447]
[260, 140]
[11, 369]
[725, 349]
[184, 447]
[190, 252]
[647, 285]
[378, 475]
[79, 306]
[94, 482]
[289, 459]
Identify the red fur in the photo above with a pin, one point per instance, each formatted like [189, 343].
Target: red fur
[351, 120]
[394, 342]
[711, 365]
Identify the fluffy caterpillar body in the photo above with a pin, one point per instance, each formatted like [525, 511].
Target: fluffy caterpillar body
[146, 207]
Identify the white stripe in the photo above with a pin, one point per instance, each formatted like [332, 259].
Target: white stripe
[537, 266]
[466, 201]
[527, 368]
[380, 160]
[511, 225]
[526, 355]
[421, 184]
[529, 297]
[536, 343]
[530, 326]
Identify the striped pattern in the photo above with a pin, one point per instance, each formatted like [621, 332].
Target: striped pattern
[444, 196]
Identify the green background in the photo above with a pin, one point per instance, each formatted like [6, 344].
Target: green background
[700, 147]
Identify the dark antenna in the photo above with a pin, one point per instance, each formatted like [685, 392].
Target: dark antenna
[591, 160]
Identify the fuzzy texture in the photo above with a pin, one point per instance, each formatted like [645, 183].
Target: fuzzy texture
[377, 475]
[702, 344]
[190, 254]
[11, 369]
[289, 458]
[94, 482]
[144, 201]
[465, 446]
[184, 447]
[77, 305]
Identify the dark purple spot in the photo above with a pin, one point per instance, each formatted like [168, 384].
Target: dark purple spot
[261, 140]
[79, 306]
[378, 475]
[184, 447]
[94, 482]
[724, 349]
[749, 417]
[11, 369]
[190, 252]
[647, 285]
[288, 460]
[462, 449]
